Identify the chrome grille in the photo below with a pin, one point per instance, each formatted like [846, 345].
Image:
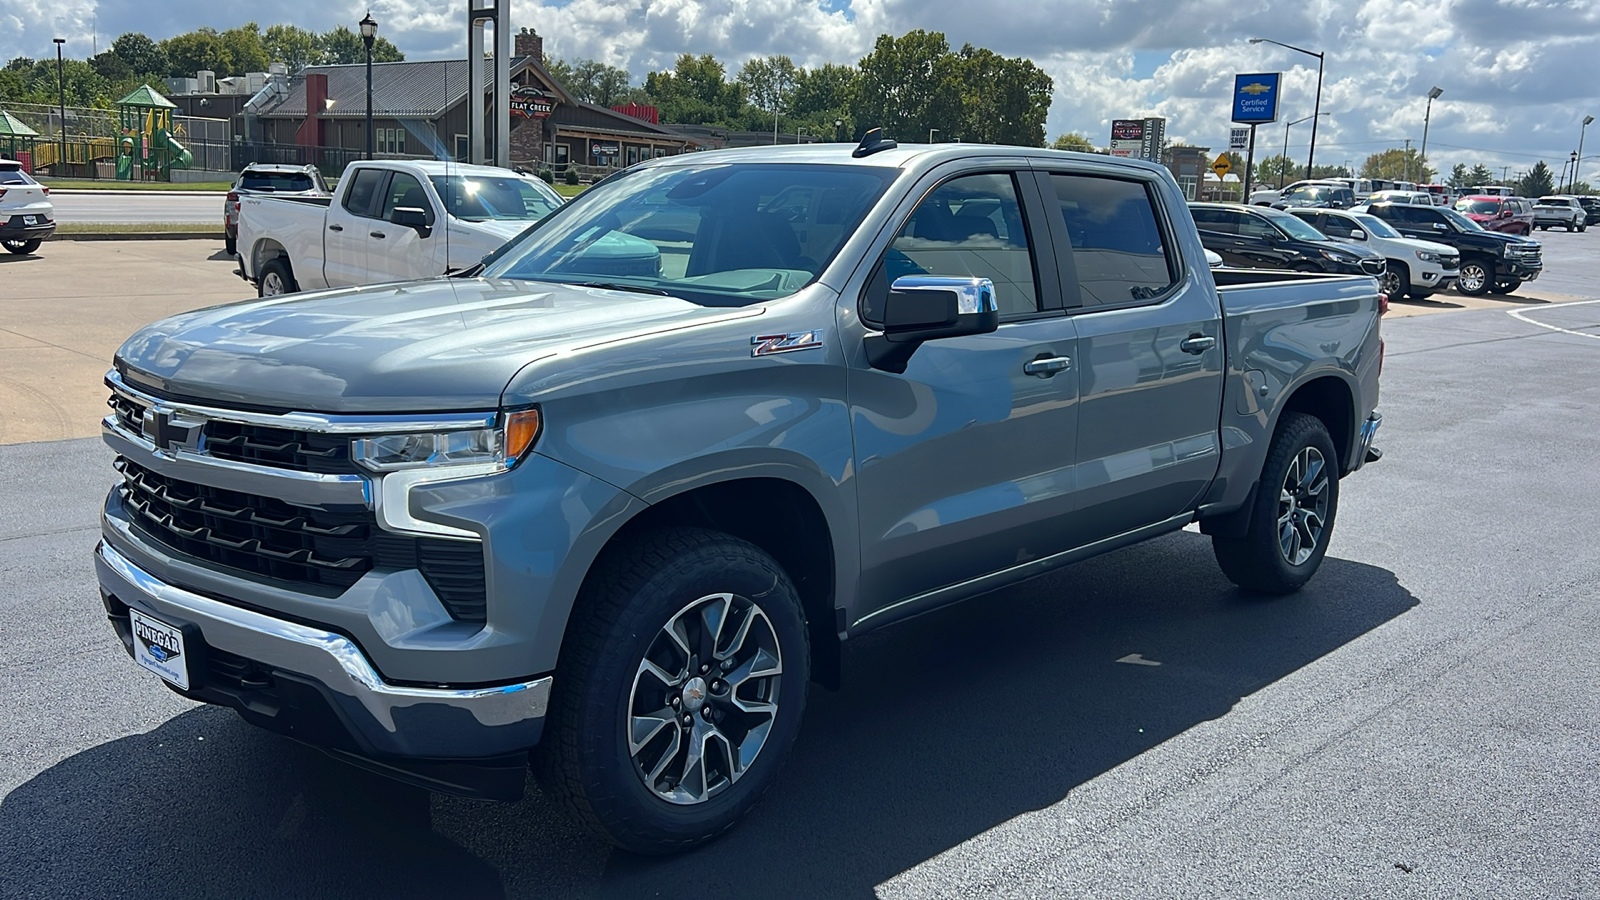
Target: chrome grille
[281, 448]
[322, 550]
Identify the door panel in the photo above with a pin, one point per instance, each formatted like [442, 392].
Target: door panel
[344, 236]
[965, 461]
[402, 254]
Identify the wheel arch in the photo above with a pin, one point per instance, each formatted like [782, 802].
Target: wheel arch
[263, 251]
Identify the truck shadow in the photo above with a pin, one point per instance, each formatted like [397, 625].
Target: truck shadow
[947, 726]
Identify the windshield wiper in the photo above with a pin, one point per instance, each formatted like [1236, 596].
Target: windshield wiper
[613, 286]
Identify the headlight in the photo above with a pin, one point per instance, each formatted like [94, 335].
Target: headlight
[500, 446]
[1427, 256]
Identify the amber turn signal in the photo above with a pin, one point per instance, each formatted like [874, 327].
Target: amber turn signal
[522, 432]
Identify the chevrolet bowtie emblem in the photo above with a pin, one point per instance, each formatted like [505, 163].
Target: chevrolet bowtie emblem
[1256, 88]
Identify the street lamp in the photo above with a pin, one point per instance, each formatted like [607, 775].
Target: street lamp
[1317, 109]
[1283, 173]
[838, 125]
[1573, 180]
[61, 86]
[1433, 94]
[1587, 120]
[369, 33]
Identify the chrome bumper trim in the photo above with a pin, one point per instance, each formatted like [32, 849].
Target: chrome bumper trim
[331, 659]
[1365, 452]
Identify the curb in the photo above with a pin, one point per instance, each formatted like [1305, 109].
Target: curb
[141, 236]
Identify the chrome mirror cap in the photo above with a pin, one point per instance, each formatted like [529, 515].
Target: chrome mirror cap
[973, 295]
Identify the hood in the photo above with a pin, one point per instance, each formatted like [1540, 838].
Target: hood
[1359, 251]
[1429, 246]
[444, 344]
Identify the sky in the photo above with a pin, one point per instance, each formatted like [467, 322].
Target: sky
[1518, 75]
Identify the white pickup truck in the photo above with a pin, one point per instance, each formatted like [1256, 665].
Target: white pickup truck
[383, 224]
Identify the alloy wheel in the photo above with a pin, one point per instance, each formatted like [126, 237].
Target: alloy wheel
[1473, 277]
[704, 699]
[1303, 506]
[272, 284]
[1392, 288]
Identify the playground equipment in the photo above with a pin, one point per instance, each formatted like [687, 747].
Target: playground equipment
[17, 140]
[147, 140]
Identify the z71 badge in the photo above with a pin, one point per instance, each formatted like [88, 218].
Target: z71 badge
[768, 344]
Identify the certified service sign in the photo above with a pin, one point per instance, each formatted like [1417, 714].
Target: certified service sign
[1255, 98]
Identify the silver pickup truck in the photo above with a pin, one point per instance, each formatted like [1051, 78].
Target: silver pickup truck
[614, 522]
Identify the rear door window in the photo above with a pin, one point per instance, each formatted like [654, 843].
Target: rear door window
[1118, 246]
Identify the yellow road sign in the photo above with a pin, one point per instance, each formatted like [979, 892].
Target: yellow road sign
[1222, 165]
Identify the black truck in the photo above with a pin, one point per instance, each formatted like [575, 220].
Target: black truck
[1491, 262]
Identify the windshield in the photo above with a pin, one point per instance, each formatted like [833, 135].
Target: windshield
[1293, 226]
[718, 235]
[286, 182]
[1460, 221]
[1375, 226]
[1312, 193]
[479, 198]
[1480, 207]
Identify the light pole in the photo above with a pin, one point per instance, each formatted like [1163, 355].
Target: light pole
[1587, 121]
[369, 33]
[1283, 172]
[1433, 94]
[1573, 178]
[1317, 109]
[61, 86]
[931, 133]
[838, 125]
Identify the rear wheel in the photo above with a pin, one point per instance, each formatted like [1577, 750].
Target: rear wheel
[20, 247]
[1396, 279]
[680, 690]
[229, 246]
[1295, 504]
[1475, 278]
[276, 278]
[1505, 284]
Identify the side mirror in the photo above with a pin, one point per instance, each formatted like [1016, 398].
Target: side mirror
[926, 308]
[1440, 226]
[411, 217]
[1357, 234]
[1336, 204]
[1505, 214]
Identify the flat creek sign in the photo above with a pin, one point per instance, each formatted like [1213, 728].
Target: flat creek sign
[532, 103]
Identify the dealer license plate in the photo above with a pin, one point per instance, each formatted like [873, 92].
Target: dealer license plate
[30, 220]
[159, 647]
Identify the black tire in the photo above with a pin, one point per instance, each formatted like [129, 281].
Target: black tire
[1475, 277]
[230, 246]
[1570, 227]
[1257, 562]
[637, 589]
[276, 273]
[1544, 227]
[1505, 284]
[1396, 280]
[21, 247]
[1419, 294]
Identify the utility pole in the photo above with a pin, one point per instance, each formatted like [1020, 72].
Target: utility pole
[1408, 159]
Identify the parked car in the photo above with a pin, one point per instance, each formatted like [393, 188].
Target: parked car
[1490, 262]
[1441, 193]
[1417, 268]
[1361, 187]
[1256, 238]
[1416, 198]
[1270, 196]
[434, 524]
[268, 178]
[393, 220]
[1591, 208]
[27, 217]
[1322, 195]
[1511, 215]
[1559, 209]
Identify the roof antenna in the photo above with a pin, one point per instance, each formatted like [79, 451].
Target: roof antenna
[872, 142]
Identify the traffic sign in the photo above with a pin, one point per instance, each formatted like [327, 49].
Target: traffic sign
[1222, 165]
[1238, 138]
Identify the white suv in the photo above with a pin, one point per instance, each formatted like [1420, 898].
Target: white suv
[26, 215]
[1414, 268]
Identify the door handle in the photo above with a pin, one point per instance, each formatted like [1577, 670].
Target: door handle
[1197, 343]
[1047, 366]
[377, 234]
[335, 227]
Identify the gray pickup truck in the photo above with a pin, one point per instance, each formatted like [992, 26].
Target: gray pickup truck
[613, 522]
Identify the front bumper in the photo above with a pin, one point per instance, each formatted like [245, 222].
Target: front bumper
[317, 686]
[1365, 451]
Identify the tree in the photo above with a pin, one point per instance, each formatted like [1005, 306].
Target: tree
[592, 81]
[1537, 182]
[1004, 100]
[341, 46]
[197, 50]
[245, 46]
[910, 85]
[1279, 171]
[824, 92]
[1479, 175]
[1073, 141]
[1330, 172]
[695, 92]
[1396, 164]
[768, 83]
[291, 45]
[142, 55]
[1458, 177]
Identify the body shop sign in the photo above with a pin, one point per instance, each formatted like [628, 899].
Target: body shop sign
[531, 103]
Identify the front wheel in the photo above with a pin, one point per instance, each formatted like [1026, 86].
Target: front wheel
[22, 247]
[1396, 279]
[1475, 277]
[680, 690]
[1295, 504]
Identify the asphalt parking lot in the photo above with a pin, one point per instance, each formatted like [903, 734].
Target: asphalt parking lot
[1419, 722]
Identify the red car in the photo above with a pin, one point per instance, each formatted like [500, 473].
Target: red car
[1512, 215]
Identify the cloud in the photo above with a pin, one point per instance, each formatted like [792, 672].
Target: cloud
[1516, 73]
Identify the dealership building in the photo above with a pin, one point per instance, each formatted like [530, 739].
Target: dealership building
[420, 109]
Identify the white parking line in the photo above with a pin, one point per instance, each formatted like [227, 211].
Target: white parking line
[1520, 315]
